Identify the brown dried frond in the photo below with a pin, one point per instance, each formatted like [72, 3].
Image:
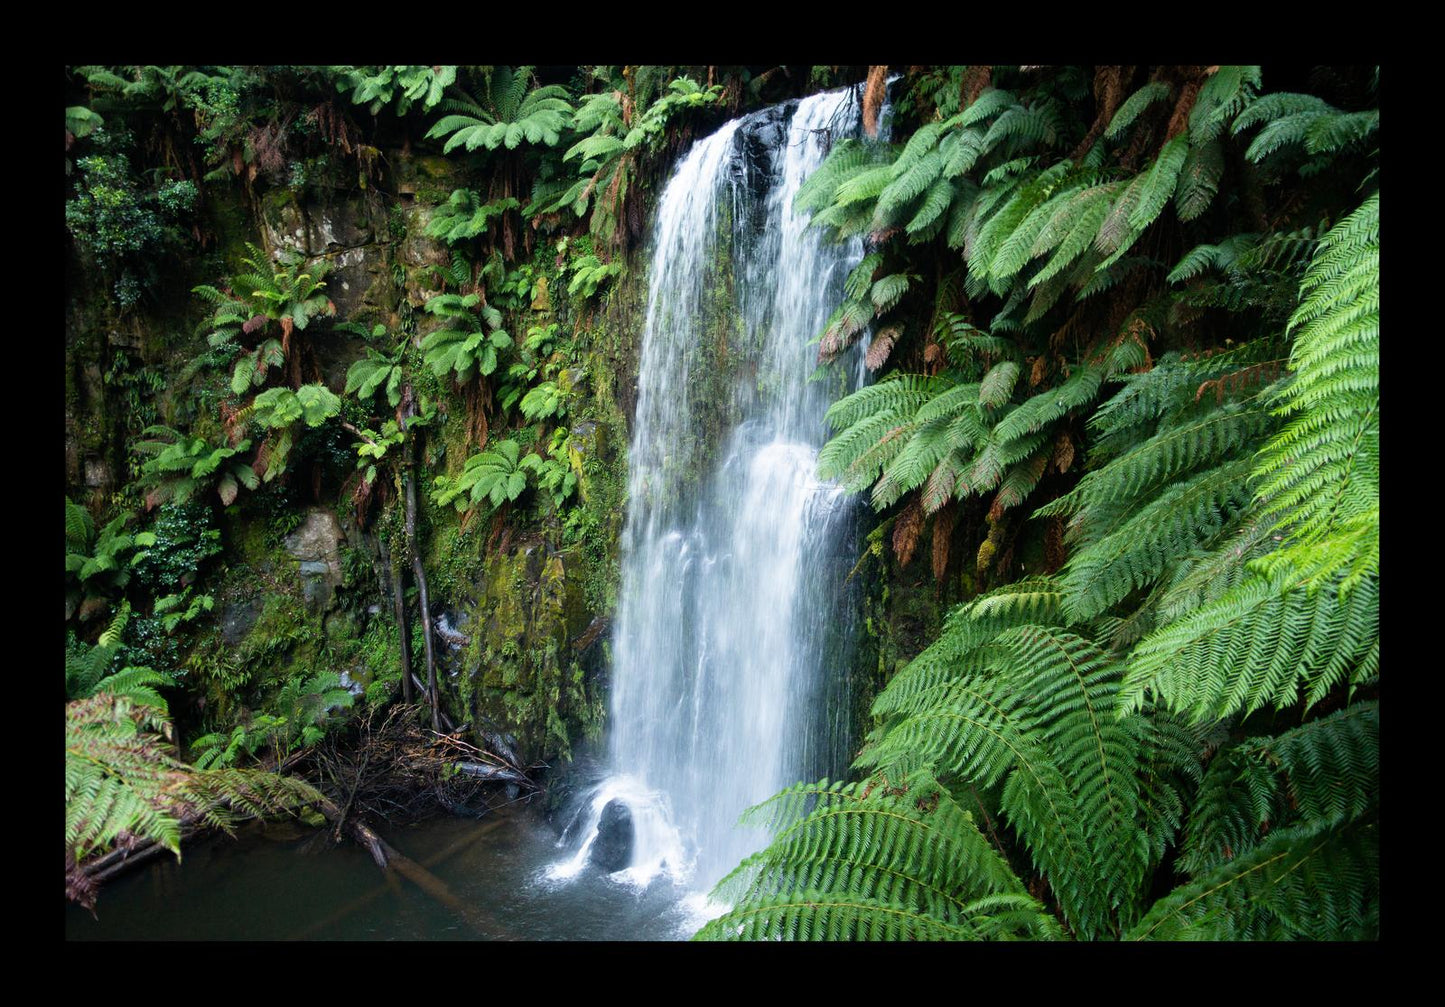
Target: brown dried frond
[262, 461]
[907, 530]
[268, 145]
[1071, 324]
[361, 499]
[1054, 551]
[881, 347]
[1179, 120]
[1108, 95]
[233, 422]
[975, 79]
[1038, 370]
[1063, 455]
[873, 93]
[1005, 563]
[479, 404]
[1255, 374]
[509, 237]
[942, 538]
[877, 238]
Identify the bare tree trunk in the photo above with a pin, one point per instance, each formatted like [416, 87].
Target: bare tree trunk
[409, 488]
[390, 571]
[419, 571]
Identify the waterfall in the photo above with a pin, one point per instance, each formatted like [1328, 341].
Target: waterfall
[731, 646]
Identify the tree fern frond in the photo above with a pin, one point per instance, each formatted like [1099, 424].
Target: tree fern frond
[1148, 539]
[1322, 772]
[1199, 179]
[1261, 644]
[1159, 183]
[1313, 883]
[1222, 97]
[1135, 104]
[1320, 474]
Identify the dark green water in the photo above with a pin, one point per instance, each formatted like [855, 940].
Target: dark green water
[288, 884]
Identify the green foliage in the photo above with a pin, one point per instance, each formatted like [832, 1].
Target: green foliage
[88, 669]
[126, 224]
[100, 561]
[176, 609]
[497, 476]
[112, 216]
[875, 861]
[614, 139]
[380, 86]
[254, 300]
[185, 539]
[588, 273]
[178, 467]
[507, 114]
[376, 372]
[470, 343]
[123, 779]
[1320, 476]
[1223, 546]
[464, 216]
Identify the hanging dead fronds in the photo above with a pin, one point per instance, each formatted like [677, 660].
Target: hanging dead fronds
[1063, 454]
[881, 347]
[943, 538]
[873, 94]
[1109, 85]
[975, 79]
[1054, 551]
[907, 530]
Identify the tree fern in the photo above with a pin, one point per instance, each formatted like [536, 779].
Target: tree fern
[122, 779]
[1307, 882]
[1138, 546]
[875, 860]
[1261, 644]
[1322, 772]
[1320, 475]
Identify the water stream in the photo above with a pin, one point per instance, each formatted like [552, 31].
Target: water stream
[730, 653]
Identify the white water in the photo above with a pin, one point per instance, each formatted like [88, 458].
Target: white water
[730, 650]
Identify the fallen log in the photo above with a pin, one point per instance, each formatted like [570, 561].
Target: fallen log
[391, 886]
[388, 858]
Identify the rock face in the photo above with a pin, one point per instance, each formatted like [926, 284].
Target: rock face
[317, 547]
[612, 849]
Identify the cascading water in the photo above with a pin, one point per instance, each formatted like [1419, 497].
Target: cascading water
[732, 631]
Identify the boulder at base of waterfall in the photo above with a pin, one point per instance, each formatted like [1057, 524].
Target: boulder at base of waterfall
[612, 849]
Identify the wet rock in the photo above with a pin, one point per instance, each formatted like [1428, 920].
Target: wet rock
[316, 545]
[612, 849]
[97, 473]
[340, 626]
[237, 619]
[541, 300]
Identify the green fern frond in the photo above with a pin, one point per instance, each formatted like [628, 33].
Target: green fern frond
[879, 861]
[1160, 182]
[1321, 473]
[1312, 883]
[1222, 97]
[1143, 542]
[1262, 644]
[1324, 771]
[1199, 179]
[1134, 105]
